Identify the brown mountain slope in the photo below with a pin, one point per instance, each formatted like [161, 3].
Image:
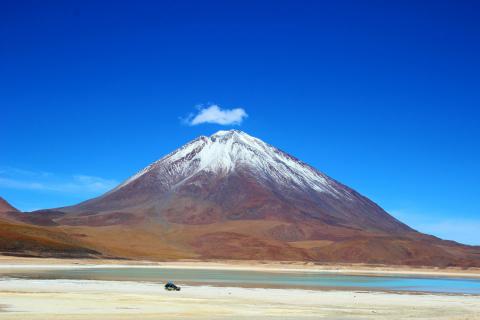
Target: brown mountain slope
[19, 236]
[255, 240]
[26, 240]
[6, 207]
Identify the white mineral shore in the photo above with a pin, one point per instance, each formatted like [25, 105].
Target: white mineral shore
[90, 299]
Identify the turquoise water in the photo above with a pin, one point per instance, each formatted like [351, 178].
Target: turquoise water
[307, 280]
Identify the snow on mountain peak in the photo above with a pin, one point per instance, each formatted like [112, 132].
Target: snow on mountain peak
[226, 151]
[222, 133]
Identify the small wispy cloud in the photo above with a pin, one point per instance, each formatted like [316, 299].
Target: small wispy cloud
[14, 178]
[214, 114]
[94, 184]
[6, 170]
[460, 229]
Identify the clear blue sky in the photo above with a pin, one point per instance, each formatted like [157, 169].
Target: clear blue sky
[381, 95]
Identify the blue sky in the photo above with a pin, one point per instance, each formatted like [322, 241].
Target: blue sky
[381, 95]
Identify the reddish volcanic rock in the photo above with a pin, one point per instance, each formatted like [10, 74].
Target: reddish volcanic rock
[6, 207]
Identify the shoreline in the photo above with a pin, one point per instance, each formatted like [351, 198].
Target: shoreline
[322, 289]
[7, 262]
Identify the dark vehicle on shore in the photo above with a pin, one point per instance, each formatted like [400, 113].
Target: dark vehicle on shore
[170, 286]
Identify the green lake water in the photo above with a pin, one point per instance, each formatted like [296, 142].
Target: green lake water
[306, 280]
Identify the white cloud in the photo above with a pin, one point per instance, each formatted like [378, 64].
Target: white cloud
[15, 184]
[94, 184]
[460, 229]
[214, 114]
[14, 178]
[6, 170]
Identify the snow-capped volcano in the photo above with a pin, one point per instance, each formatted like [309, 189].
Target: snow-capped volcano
[237, 176]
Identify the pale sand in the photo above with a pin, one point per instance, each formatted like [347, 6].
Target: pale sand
[79, 299]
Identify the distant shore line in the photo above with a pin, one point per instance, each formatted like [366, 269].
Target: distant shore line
[8, 262]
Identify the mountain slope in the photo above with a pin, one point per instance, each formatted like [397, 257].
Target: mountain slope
[21, 234]
[232, 196]
[29, 240]
[6, 207]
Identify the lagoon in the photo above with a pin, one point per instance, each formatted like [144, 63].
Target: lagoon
[260, 279]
